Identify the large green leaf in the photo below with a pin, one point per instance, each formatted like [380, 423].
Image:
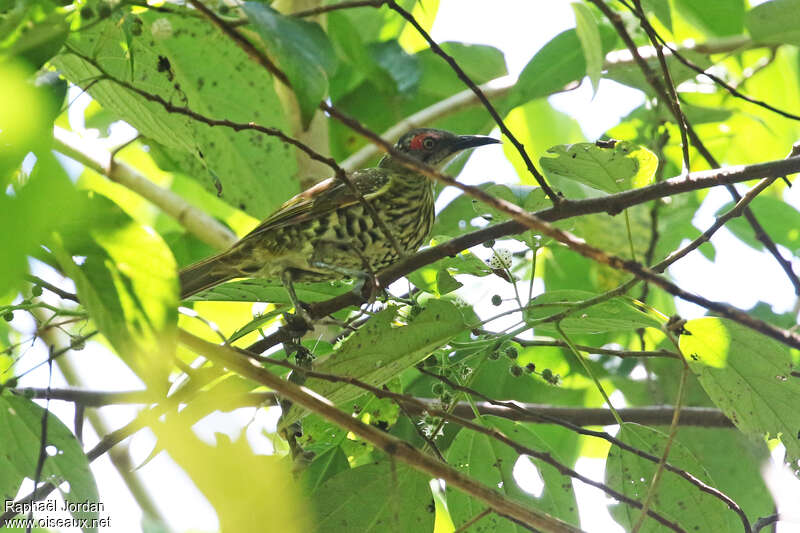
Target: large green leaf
[747, 375]
[629, 73]
[616, 314]
[234, 480]
[40, 206]
[27, 125]
[492, 462]
[125, 277]
[33, 31]
[675, 498]
[612, 169]
[271, 291]
[737, 472]
[558, 63]
[250, 170]
[375, 498]
[21, 426]
[775, 22]
[302, 51]
[591, 43]
[718, 17]
[526, 121]
[381, 349]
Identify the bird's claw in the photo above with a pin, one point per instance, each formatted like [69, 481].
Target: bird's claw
[300, 321]
[368, 287]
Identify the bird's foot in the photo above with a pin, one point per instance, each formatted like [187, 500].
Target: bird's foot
[367, 286]
[299, 322]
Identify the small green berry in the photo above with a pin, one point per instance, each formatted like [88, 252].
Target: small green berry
[87, 13]
[489, 243]
[511, 352]
[36, 290]
[515, 370]
[547, 374]
[496, 300]
[104, 11]
[9, 316]
[446, 397]
[530, 368]
[494, 355]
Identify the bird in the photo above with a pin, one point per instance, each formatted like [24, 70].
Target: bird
[325, 233]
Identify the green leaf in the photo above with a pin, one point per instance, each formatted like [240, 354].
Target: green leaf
[302, 51]
[558, 63]
[616, 314]
[250, 170]
[629, 73]
[445, 283]
[21, 426]
[381, 349]
[257, 323]
[661, 9]
[125, 277]
[622, 167]
[375, 498]
[737, 472]
[561, 128]
[775, 22]
[675, 498]
[234, 480]
[26, 126]
[271, 291]
[44, 203]
[401, 67]
[33, 31]
[491, 462]
[324, 466]
[747, 375]
[718, 17]
[591, 43]
[780, 220]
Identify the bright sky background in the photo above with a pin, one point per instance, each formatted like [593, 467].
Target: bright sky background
[519, 36]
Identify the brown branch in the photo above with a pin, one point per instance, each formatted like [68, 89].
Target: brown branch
[522, 412]
[394, 447]
[722, 83]
[335, 7]
[655, 83]
[594, 349]
[672, 95]
[611, 204]
[609, 417]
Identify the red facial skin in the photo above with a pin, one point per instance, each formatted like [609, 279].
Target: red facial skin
[416, 142]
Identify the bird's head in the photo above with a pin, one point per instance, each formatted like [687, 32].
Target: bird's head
[435, 147]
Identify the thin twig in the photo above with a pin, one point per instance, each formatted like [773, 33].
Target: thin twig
[556, 199]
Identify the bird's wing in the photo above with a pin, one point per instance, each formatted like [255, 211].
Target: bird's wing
[325, 197]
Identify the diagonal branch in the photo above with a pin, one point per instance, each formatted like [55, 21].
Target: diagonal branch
[393, 446]
[482, 97]
[655, 83]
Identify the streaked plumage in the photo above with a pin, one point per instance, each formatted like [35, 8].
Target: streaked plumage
[325, 233]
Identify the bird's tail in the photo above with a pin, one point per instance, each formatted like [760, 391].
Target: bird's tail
[204, 275]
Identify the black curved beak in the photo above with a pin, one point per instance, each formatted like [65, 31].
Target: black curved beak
[464, 142]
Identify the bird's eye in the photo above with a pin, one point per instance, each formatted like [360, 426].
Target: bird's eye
[428, 143]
